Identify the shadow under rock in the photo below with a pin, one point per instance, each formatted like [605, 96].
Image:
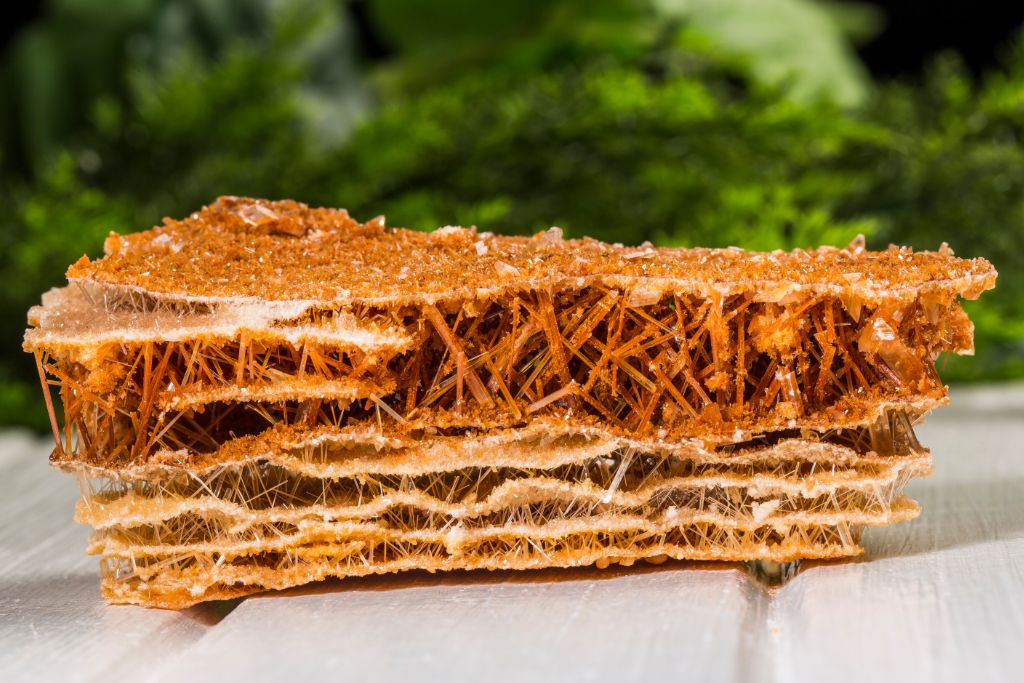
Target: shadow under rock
[482, 577]
[954, 514]
[51, 598]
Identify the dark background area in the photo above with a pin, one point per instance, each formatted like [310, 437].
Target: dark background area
[15, 15]
[913, 32]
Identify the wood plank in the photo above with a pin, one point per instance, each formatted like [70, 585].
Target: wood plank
[938, 599]
[579, 625]
[53, 623]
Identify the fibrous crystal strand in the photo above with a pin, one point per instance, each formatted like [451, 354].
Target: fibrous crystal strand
[678, 364]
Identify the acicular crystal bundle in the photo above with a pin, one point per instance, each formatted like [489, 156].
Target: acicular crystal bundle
[264, 394]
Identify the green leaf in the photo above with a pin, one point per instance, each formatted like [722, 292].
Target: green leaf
[795, 43]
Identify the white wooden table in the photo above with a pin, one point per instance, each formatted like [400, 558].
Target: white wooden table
[940, 598]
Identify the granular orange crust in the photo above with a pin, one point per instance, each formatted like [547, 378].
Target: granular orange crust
[284, 250]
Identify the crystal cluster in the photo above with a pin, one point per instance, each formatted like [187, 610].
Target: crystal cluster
[264, 394]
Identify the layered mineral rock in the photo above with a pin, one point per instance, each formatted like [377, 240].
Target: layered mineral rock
[264, 394]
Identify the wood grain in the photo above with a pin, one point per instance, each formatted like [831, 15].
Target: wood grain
[53, 623]
[941, 598]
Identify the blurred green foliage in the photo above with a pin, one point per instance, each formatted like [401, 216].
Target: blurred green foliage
[677, 121]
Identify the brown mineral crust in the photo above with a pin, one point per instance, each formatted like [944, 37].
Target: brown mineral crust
[175, 583]
[151, 541]
[543, 443]
[275, 503]
[476, 497]
[121, 443]
[239, 248]
[356, 500]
